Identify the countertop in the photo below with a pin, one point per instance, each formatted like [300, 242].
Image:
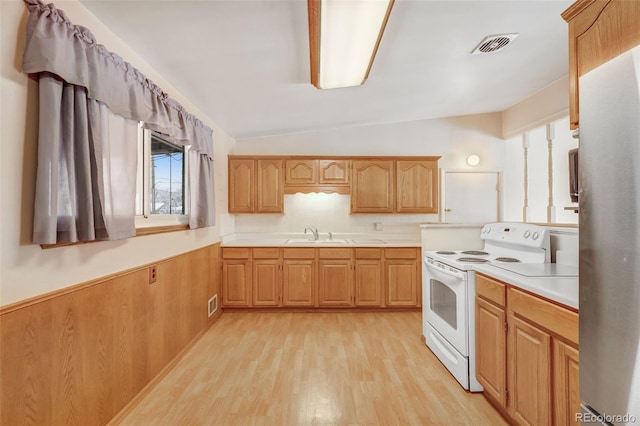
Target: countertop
[428, 225]
[306, 240]
[561, 289]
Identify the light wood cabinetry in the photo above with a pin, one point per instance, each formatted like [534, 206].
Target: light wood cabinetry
[299, 277]
[316, 175]
[256, 186]
[416, 186]
[267, 277]
[236, 277]
[335, 277]
[372, 186]
[598, 31]
[402, 276]
[526, 354]
[368, 277]
[326, 277]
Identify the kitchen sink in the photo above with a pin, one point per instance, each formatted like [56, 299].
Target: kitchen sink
[338, 241]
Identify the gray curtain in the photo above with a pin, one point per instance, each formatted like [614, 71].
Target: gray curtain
[112, 88]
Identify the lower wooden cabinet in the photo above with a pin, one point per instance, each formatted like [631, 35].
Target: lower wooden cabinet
[526, 354]
[331, 277]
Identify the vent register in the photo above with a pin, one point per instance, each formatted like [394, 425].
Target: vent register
[494, 43]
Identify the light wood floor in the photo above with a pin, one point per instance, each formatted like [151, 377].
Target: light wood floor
[356, 368]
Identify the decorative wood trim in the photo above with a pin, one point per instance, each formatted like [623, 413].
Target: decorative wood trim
[313, 7]
[140, 232]
[327, 189]
[550, 137]
[375, 49]
[336, 157]
[525, 153]
[575, 9]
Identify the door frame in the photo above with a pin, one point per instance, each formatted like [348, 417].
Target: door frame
[442, 217]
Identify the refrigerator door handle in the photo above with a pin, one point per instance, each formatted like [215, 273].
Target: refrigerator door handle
[588, 415]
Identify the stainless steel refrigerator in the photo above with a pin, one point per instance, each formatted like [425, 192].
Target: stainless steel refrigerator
[609, 176]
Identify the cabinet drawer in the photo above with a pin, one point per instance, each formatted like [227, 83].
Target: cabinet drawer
[236, 252]
[368, 253]
[266, 253]
[334, 253]
[556, 319]
[299, 253]
[401, 253]
[491, 290]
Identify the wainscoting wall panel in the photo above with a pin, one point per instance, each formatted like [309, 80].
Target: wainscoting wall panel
[80, 357]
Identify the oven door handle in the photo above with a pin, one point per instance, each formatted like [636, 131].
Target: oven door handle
[457, 274]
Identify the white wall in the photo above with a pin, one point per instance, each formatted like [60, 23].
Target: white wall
[453, 138]
[26, 270]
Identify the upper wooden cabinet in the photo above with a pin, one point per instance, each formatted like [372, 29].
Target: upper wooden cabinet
[395, 186]
[372, 186]
[599, 30]
[316, 175]
[256, 186]
[416, 186]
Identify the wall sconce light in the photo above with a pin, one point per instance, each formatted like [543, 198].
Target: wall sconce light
[343, 39]
[473, 160]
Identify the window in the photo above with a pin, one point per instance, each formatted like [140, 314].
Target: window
[162, 181]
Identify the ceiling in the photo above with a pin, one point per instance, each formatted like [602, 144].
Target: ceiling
[245, 63]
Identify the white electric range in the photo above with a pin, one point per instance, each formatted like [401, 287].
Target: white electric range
[448, 308]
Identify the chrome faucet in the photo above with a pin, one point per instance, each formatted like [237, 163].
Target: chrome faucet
[314, 231]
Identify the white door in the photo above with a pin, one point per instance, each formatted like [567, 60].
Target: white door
[471, 197]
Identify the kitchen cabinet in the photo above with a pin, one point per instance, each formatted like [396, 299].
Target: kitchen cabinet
[335, 277]
[256, 185]
[598, 31]
[416, 186]
[267, 277]
[526, 354]
[316, 175]
[491, 338]
[299, 277]
[368, 277]
[236, 277]
[402, 276]
[372, 186]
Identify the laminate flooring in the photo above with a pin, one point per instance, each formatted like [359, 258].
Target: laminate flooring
[335, 368]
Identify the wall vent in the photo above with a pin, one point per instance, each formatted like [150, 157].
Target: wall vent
[494, 43]
[213, 305]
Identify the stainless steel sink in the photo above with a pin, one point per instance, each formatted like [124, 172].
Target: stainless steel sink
[337, 241]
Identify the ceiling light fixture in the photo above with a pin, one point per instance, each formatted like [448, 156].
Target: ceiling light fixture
[473, 160]
[343, 39]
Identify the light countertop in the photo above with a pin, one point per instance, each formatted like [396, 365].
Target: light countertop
[562, 289]
[306, 240]
[428, 225]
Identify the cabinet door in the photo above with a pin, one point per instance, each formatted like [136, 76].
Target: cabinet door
[269, 186]
[402, 282]
[416, 186]
[301, 172]
[491, 350]
[597, 33]
[333, 172]
[372, 186]
[529, 373]
[565, 384]
[368, 286]
[266, 282]
[241, 186]
[236, 283]
[299, 282]
[335, 283]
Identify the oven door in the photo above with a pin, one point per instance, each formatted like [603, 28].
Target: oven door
[446, 300]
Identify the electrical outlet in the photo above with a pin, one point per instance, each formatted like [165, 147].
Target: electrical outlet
[153, 274]
[212, 305]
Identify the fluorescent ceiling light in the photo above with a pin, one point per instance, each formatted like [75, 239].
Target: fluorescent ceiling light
[343, 39]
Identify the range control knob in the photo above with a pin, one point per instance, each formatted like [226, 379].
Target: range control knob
[526, 234]
[535, 235]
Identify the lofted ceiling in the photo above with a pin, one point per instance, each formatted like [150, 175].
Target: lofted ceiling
[245, 63]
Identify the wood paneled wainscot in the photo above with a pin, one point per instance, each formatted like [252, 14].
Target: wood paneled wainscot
[526, 354]
[81, 355]
[598, 31]
[255, 185]
[326, 277]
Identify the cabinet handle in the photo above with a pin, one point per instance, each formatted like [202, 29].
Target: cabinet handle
[447, 210]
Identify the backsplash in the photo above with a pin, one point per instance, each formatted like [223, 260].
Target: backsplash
[328, 213]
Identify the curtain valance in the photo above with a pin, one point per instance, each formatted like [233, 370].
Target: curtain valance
[56, 45]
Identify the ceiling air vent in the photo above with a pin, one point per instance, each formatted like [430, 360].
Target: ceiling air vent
[494, 43]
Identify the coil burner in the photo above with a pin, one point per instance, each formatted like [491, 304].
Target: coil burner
[472, 260]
